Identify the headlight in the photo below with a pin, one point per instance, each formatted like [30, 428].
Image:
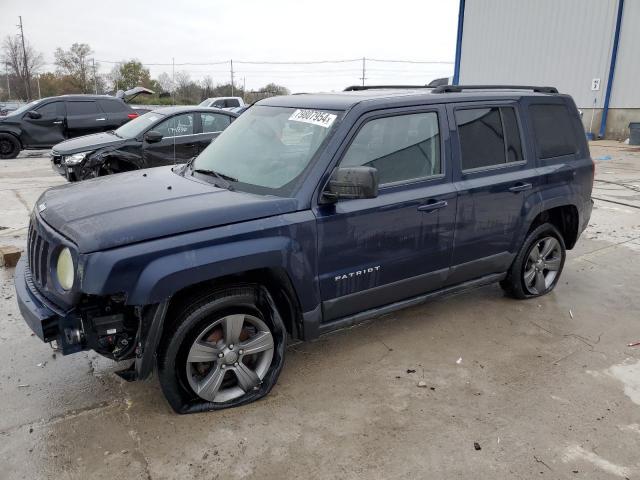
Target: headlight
[76, 158]
[65, 271]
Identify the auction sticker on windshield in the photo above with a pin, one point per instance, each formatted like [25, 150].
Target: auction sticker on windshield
[314, 117]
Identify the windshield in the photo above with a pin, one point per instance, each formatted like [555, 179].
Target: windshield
[138, 125]
[204, 103]
[267, 147]
[24, 108]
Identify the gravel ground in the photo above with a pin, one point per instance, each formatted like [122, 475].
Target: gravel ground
[546, 388]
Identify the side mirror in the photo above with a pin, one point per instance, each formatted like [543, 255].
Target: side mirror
[33, 114]
[352, 182]
[152, 136]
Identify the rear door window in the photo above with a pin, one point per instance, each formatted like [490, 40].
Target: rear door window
[233, 102]
[402, 148]
[554, 131]
[82, 108]
[489, 137]
[214, 122]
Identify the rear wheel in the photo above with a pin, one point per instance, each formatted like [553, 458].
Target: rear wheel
[223, 350]
[537, 267]
[9, 146]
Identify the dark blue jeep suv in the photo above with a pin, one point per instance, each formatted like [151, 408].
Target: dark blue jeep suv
[308, 214]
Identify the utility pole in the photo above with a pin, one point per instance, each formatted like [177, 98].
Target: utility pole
[364, 70]
[38, 80]
[95, 79]
[25, 62]
[244, 85]
[232, 77]
[173, 81]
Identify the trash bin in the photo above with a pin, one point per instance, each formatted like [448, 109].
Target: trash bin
[634, 133]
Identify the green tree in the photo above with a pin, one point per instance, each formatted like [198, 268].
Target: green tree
[76, 65]
[132, 74]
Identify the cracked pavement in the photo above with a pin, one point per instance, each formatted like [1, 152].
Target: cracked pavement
[548, 388]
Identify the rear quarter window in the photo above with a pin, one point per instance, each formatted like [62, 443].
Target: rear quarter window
[554, 130]
[113, 106]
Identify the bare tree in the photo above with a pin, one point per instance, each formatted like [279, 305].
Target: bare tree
[207, 86]
[165, 82]
[22, 66]
[76, 63]
[115, 77]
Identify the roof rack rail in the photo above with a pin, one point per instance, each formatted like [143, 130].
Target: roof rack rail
[460, 88]
[357, 88]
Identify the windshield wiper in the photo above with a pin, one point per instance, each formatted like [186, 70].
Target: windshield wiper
[220, 176]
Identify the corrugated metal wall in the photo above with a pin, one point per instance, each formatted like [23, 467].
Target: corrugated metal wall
[562, 43]
[626, 83]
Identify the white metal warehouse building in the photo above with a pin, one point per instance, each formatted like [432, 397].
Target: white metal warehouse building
[587, 48]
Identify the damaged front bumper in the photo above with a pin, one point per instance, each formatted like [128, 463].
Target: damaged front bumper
[70, 172]
[46, 320]
[119, 335]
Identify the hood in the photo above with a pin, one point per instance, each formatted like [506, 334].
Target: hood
[88, 143]
[127, 208]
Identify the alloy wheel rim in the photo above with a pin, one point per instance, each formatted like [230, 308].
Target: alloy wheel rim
[5, 147]
[542, 265]
[230, 358]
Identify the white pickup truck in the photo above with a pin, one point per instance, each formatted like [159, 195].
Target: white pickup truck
[225, 103]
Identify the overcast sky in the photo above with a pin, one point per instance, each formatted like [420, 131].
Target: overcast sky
[206, 31]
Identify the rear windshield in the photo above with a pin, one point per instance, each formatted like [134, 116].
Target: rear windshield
[554, 129]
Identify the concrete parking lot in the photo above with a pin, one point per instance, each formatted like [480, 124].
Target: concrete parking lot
[547, 388]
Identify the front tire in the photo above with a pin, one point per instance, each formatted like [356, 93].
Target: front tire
[223, 349]
[9, 146]
[537, 267]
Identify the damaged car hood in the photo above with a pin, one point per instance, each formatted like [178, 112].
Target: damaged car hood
[88, 143]
[132, 207]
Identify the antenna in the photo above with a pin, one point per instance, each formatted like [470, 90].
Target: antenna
[173, 101]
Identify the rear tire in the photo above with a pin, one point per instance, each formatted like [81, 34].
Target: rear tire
[9, 146]
[538, 265]
[222, 349]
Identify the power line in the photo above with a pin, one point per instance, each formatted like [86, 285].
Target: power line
[437, 62]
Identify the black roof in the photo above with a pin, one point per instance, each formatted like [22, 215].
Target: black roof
[385, 97]
[82, 96]
[190, 108]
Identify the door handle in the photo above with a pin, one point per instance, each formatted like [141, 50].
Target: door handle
[100, 119]
[432, 205]
[520, 187]
[59, 122]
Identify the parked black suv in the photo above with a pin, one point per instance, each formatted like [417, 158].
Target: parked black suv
[164, 136]
[43, 123]
[308, 214]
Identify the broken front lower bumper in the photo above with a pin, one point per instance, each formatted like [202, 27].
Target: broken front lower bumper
[46, 320]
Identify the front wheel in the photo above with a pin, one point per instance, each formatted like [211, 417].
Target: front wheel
[223, 350]
[9, 146]
[537, 267]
